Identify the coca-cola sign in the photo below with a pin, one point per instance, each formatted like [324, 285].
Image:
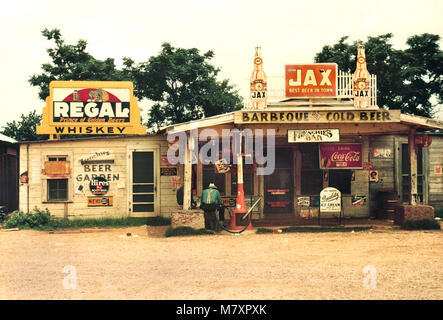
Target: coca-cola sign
[340, 156]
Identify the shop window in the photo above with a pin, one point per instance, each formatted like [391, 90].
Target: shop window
[56, 158]
[341, 180]
[311, 182]
[311, 174]
[57, 189]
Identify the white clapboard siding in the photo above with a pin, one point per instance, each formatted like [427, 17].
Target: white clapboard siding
[76, 150]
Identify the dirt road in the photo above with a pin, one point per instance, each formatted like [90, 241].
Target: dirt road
[108, 264]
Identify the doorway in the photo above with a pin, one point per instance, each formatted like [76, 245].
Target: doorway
[143, 184]
[279, 185]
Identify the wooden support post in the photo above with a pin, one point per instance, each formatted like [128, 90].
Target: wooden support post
[187, 179]
[261, 192]
[413, 167]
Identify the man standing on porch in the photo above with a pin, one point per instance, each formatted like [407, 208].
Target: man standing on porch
[210, 201]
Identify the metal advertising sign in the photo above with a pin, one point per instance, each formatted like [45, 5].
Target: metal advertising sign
[99, 186]
[222, 166]
[91, 107]
[330, 200]
[311, 80]
[99, 201]
[340, 156]
[358, 200]
[314, 135]
[168, 171]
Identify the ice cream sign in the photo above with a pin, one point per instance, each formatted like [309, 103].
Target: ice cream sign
[330, 200]
[311, 80]
[91, 107]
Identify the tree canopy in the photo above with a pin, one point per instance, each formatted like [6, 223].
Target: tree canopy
[407, 79]
[24, 130]
[183, 86]
[181, 83]
[73, 62]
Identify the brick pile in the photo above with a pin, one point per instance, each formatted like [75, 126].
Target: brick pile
[188, 218]
[402, 213]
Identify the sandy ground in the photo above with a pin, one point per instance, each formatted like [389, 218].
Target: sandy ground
[108, 264]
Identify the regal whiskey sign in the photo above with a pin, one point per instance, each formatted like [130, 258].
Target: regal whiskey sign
[91, 107]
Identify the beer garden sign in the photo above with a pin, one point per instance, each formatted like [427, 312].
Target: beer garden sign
[91, 107]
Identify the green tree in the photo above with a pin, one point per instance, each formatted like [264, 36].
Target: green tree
[183, 86]
[73, 62]
[406, 79]
[181, 83]
[24, 130]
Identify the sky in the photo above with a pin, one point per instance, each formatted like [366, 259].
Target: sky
[288, 32]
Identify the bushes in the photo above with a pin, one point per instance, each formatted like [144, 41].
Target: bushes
[42, 220]
[35, 219]
[424, 224]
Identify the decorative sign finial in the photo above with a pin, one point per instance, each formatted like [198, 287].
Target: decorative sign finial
[361, 80]
[258, 83]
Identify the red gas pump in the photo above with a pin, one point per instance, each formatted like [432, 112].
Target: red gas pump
[237, 221]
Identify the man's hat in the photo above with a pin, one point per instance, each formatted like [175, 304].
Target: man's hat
[211, 185]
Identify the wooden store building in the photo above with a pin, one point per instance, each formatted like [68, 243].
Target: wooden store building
[8, 174]
[118, 172]
[325, 131]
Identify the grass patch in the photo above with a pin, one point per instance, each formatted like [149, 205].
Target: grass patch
[185, 231]
[264, 230]
[42, 220]
[325, 229]
[421, 225]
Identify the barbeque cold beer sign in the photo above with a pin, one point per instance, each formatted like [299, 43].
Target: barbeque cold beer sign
[91, 107]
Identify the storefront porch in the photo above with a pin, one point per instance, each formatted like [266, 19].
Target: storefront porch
[361, 162]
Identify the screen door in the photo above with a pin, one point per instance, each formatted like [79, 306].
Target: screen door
[143, 182]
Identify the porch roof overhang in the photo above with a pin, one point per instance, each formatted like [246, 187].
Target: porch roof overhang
[394, 122]
[225, 118]
[423, 123]
[7, 139]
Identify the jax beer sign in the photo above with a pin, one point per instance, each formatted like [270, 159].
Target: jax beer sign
[340, 156]
[311, 80]
[91, 107]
